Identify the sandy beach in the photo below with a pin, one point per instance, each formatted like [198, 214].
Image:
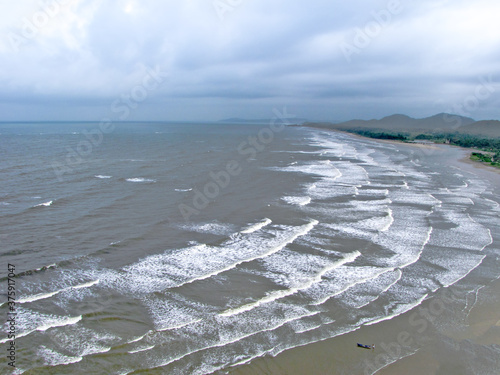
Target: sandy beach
[322, 242]
[454, 332]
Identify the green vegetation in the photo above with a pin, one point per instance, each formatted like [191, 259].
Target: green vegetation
[381, 134]
[457, 139]
[477, 156]
[489, 145]
[492, 159]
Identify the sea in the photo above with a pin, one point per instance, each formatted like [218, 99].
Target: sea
[199, 248]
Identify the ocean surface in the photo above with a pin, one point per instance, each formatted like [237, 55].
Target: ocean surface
[194, 248]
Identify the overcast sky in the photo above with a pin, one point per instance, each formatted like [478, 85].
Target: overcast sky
[213, 59]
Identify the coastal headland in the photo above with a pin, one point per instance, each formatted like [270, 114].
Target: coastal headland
[481, 138]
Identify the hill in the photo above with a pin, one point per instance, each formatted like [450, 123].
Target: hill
[236, 120]
[442, 123]
[488, 128]
[402, 123]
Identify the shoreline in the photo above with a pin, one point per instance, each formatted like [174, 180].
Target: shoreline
[465, 159]
[465, 328]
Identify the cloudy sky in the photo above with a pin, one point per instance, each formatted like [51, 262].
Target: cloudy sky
[213, 59]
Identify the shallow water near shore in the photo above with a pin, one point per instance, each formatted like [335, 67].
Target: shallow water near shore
[317, 238]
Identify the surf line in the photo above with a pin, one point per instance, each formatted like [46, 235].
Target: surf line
[419, 320]
[40, 296]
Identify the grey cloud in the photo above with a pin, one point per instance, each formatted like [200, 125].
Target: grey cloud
[262, 54]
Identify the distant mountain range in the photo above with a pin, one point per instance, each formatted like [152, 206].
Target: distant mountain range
[236, 120]
[440, 123]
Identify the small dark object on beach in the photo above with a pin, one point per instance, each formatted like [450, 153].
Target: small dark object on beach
[366, 346]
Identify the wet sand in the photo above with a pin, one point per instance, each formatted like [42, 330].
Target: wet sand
[457, 331]
[426, 351]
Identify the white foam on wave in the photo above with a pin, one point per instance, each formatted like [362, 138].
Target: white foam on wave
[377, 223]
[338, 332]
[307, 329]
[40, 296]
[226, 340]
[390, 220]
[373, 192]
[366, 293]
[342, 279]
[257, 327]
[311, 187]
[331, 146]
[255, 227]
[423, 238]
[495, 205]
[102, 176]
[85, 285]
[200, 262]
[141, 349]
[250, 359]
[140, 179]
[298, 201]
[44, 268]
[418, 255]
[170, 315]
[458, 200]
[137, 339]
[29, 321]
[346, 175]
[272, 250]
[400, 309]
[466, 233]
[458, 265]
[274, 325]
[438, 203]
[212, 228]
[53, 358]
[317, 169]
[183, 190]
[350, 179]
[89, 341]
[491, 240]
[276, 295]
[404, 238]
[59, 323]
[45, 204]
